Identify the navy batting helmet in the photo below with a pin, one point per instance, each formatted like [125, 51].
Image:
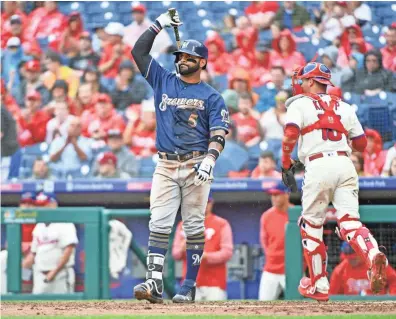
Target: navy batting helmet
[193, 47]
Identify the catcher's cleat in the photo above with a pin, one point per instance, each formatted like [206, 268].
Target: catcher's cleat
[185, 295]
[307, 290]
[148, 291]
[377, 273]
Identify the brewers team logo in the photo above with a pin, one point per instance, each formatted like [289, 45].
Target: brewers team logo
[181, 103]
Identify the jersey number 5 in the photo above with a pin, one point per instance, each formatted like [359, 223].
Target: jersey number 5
[331, 135]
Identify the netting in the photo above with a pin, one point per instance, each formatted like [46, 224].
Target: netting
[384, 233]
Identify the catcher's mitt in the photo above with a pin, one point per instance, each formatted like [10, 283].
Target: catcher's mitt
[288, 175]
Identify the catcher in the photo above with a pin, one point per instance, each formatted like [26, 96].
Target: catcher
[323, 125]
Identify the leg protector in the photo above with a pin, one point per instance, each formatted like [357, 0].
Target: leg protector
[359, 237]
[314, 253]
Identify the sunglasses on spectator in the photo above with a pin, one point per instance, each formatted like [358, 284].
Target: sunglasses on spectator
[280, 99]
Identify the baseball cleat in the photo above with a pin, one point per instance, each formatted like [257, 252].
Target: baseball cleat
[185, 295]
[308, 291]
[148, 291]
[378, 273]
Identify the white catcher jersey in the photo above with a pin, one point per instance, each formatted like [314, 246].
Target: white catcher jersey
[48, 244]
[303, 111]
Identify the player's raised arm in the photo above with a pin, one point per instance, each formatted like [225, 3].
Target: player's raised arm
[142, 48]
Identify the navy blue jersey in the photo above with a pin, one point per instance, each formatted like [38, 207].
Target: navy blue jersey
[185, 113]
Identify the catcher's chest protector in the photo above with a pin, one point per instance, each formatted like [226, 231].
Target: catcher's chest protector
[329, 120]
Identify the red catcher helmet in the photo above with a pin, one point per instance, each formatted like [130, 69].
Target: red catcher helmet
[313, 70]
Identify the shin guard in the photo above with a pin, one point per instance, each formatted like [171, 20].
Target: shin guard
[314, 253]
[359, 237]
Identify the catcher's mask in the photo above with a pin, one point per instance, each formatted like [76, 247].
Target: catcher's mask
[317, 71]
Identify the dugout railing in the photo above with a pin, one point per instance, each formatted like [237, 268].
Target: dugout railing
[369, 214]
[97, 277]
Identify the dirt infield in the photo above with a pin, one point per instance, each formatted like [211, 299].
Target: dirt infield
[227, 308]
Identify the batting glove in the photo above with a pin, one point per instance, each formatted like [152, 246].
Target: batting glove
[166, 21]
[204, 171]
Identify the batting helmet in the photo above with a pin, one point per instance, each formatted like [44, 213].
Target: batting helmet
[193, 47]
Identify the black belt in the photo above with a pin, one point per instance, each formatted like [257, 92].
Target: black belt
[180, 158]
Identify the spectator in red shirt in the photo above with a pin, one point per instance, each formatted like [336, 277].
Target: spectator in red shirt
[272, 240]
[244, 55]
[220, 61]
[140, 132]
[10, 8]
[351, 40]
[389, 51]
[8, 101]
[212, 276]
[103, 119]
[86, 99]
[240, 81]
[285, 52]
[262, 13]
[27, 201]
[266, 166]
[249, 131]
[30, 46]
[374, 155]
[70, 37]
[349, 277]
[45, 22]
[114, 52]
[32, 122]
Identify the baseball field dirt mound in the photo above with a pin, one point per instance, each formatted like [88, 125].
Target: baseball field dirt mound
[235, 308]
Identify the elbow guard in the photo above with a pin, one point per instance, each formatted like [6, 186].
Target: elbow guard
[290, 138]
[359, 143]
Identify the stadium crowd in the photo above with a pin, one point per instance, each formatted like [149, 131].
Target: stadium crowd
[74, 104]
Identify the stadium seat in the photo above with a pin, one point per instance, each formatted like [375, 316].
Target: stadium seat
[100, 7]
[147, 167]
[221, 82]
[67, 7]
[380, 120]
[233, 158]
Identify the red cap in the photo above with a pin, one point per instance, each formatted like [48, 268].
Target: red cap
[33, 95]
[139, 8]
[107, 158]
[103, 98]
[33, 66]
[342, 3]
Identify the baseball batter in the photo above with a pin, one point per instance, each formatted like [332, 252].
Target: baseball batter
[323, 125]
[192, 121]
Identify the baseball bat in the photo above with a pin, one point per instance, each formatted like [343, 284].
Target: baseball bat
[172, 12]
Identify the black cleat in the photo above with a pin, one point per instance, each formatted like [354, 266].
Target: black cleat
[185, 295]
[148, 290]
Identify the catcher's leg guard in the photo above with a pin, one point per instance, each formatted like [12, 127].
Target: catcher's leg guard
[365, 245]
[317, 286]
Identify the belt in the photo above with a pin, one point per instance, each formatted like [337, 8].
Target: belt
[180, 158]
[320, 155]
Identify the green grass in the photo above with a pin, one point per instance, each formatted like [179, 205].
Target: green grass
[203, 317]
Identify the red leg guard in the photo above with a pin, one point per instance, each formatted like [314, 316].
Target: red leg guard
[314, 250]
[365, 245]
[359, 238]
